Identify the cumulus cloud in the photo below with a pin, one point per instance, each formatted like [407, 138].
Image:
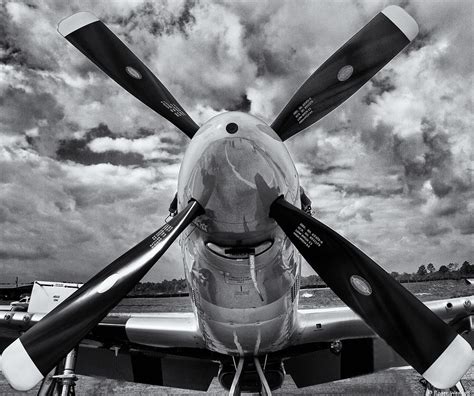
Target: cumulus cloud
[149, 147]
[66, 220]
[87, 170]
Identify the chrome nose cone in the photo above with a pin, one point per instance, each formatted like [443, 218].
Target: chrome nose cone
[235, 167]
[235, 182]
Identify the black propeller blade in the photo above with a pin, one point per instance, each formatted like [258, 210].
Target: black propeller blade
[428, 344]
[355, 63]
[90, 36]
[32, 356]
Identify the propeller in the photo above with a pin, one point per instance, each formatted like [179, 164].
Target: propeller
[90, 36]
[355, 63]
[428, 344]
[32, 356]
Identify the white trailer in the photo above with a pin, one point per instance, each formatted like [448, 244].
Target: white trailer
[47, 295]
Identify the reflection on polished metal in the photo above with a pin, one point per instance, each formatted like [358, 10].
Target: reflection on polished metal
[235, 177]
[253, 274]
[235, 387]
[265, 387]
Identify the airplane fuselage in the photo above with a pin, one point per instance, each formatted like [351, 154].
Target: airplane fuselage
[242, 271]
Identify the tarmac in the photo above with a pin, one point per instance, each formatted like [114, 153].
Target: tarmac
[401, 381]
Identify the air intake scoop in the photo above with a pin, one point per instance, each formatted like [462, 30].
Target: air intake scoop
[239, 252]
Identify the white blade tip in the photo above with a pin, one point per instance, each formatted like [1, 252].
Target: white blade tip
[401, 19]
[75, 22]
[451, 365]
[18, 368]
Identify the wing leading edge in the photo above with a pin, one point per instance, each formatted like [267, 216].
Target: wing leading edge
[161, 330]
[328, 324]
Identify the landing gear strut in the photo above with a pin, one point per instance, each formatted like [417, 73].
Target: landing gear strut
[61, 384]
[235, 387]
[257, 381]
[266, 391]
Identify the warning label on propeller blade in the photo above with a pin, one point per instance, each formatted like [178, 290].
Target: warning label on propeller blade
[161, 234]
[304, 111]
[173, 108]
[306, 236]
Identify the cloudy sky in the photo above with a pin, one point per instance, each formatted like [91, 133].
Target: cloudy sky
[87, 171]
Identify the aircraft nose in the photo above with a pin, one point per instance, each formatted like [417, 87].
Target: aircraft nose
[235, 167]
[235, 182]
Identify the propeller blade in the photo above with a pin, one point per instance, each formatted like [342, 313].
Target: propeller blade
[428, 344]
[355, 63]
[32, 356]
[90, 36]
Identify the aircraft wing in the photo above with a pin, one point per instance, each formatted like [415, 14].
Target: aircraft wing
[328, 324]
[154, 348]
[162, 330]
[335, 343]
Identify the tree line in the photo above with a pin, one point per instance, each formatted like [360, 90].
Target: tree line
[423, 274]
[166, 287]
[429, 272]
